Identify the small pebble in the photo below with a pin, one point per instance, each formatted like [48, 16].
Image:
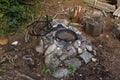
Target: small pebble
[61, 65]
[94, 52]
[15, 43]
[80, 75]
[94, 59]
[100, 45]
[38, 75]
[89, 48]
[107, 36]
[80, 50]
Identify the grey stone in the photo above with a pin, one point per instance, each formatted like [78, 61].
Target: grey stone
[50, 49]
[77, 43]
[59, 21]
[39, 49]
[83, 45]
[48, 59]
[61, 44]
[52, 61]
[63, 57]
[79, 36]
[83, 38]
[74, 61]
[80, 50]
[73, 28]
[94, 52]
[86, 56]
[59, 52]
[89, 48]
[69, 47]
[72, 52]
[61, 73]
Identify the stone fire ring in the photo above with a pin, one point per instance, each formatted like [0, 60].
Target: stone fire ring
[64, 49]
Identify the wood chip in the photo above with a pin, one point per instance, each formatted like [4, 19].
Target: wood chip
[101, 5]
[117, 12]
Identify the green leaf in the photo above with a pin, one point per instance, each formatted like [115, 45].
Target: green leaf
[4, 1]
[1, 15]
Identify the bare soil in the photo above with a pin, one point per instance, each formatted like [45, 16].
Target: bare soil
[107, 66]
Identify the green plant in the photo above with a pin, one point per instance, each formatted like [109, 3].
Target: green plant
[45, 69]
[72, 69]
[12, 16]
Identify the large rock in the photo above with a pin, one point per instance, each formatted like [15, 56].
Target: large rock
[86, 56]
[72, 52]
[50, 49]
[89, 47]
[39, 49]
[61, 44]
[77, 43]
[52, 61]
[60, 73]
[74, 61]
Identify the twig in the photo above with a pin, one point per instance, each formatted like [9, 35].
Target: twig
[95, 2]
[27, 37]
[23, 75]
[104, 13]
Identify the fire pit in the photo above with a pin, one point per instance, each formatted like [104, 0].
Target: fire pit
[64, 49]
[66, 35]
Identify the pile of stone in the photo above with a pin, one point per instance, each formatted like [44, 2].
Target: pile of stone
[60, 55]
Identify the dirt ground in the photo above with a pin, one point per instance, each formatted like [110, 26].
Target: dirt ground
[107, 66]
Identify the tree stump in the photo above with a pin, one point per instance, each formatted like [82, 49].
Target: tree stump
[94, 26]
